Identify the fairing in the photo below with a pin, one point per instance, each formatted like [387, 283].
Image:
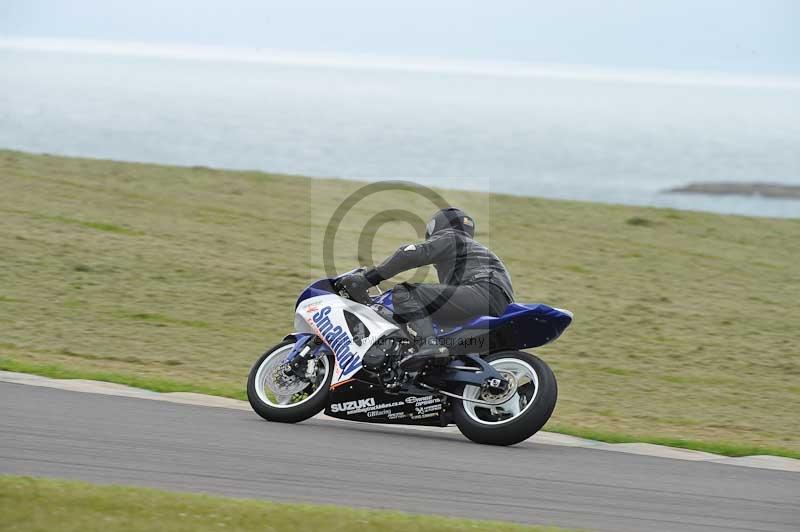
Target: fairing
[326, 316]
[521, 326]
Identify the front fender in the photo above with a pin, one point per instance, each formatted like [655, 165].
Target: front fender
[295, 336]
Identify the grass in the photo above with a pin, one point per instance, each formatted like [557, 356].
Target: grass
[30, 505]
[686, 324]
[149, 383]
[100, 226]
[715, 447]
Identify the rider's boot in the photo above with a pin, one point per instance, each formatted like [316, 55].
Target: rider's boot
[426, 347]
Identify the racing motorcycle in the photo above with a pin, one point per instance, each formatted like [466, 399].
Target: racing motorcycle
[344, 355]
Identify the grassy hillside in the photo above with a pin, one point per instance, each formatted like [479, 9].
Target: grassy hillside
[33, 505]
[686, 324]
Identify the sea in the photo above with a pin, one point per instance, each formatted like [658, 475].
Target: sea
[555, 131]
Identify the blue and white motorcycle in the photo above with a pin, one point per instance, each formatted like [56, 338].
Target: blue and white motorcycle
[343, 359]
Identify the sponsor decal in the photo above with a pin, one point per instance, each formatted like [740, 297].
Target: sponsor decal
[367, 405]
[421, 401]
[426, 409]
[352, 405]
[338, 340]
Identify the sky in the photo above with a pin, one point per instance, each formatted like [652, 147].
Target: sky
[741, 36]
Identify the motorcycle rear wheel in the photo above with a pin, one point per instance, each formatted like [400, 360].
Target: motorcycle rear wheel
[517, 416]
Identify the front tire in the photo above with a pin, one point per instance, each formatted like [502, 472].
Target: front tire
[303, 398]
[522, 415]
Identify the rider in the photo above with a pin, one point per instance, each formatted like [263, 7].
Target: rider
[473, 281]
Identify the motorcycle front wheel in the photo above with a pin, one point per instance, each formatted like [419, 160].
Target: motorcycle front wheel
[517, 414]
[288, 399]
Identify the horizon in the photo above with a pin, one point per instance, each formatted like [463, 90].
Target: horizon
[418, 63]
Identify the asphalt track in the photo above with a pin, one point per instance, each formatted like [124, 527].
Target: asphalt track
[122, 440]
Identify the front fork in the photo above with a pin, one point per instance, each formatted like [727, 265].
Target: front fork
[307, 347]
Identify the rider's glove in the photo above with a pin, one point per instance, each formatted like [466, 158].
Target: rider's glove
[356, 285]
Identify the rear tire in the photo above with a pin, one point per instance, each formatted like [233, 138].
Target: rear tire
[528, 422]
[290, 413]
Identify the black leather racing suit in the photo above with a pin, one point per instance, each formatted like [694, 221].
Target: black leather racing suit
[473, 281]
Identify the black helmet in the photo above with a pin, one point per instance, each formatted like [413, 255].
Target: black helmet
[450, 218]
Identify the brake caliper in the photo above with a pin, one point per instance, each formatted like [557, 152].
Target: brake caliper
[494, 389]
[496, 386]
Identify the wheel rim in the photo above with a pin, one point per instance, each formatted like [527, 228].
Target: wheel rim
[276, 390]
[515, 403]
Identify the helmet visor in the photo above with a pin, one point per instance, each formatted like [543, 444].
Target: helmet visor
[429, 228]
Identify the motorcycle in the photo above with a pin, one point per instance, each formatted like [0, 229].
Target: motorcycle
[343, 359]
